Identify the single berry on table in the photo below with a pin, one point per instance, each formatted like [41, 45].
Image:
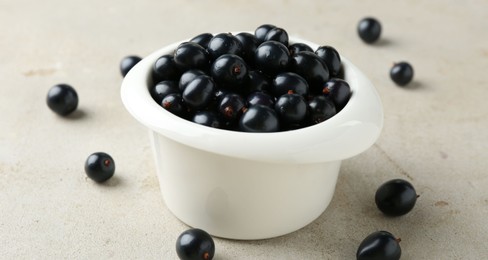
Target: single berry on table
[62, 99]
[262, 30]
[401, 73]
[339, 91]
[127, 63]
[379, 245]
[199, 92]
[272, 58]
[331, 58]
[224, 43]
[190, 55]
[99, 166]
[259, 118]
[195, 244]
[369, 29]
[396, 197]
[202, 39]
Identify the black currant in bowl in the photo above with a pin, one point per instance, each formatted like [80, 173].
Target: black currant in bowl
[99, 166]
[195, 244]
[62, 99]
[396, 197]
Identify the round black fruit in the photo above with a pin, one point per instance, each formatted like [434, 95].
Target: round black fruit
[380, 245]
[272, 58]
[202, 39]
[321, 108]
[291, 108]
[396, 197]
[199, 92]
[262, 30]
[99, 167]
[259, 118]
[174, 103]
[401, 73]
[162, 89]
[195, 244]
[224, 43]
[277, 34]
[339, 91]
[165, 68]
[311, 68]
[62, 99]
[331, 58]
[289, 81]
[190, 55]
[369, 29]
[230, 71]
[127, 63]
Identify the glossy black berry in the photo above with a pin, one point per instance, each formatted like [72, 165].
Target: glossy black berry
[339, 91]
[195, 244]
[202, 39]
[165, 68]
[395, 197]
[187, 77]
[224, 43]
[321, 108]
[331, 58]
[369, 30]
[199, 92]
[174, 104]
[207, 118]
[127, 63]
[257, 81]
[230, 71]
[401, 73]
[249, 44]
[231, 107]
[162, 89]
[62, 99]
[260, 98]
[299, 47]
[291, 108]
[277, 34]
[99, 167]
[311, 68]
[289, 81]
[272, 58]
[262, 30]
[190, 55]
[380, 245]
[259, 118]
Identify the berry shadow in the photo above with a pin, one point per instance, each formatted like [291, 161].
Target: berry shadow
[415, 85]
[383, 42]
[115, 181]
[76, 115]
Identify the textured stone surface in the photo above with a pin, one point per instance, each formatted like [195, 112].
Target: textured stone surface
[434, 136]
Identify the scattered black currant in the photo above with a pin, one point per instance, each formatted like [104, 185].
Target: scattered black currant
[396, 197]
[380, 245]
[331, 58]
[369, 29]
[202, 39]
[195, 244]
[62, 99]
[224, 43]
[401, 73]
[99, 167]
[339, 91]
[190, 55]
[272, 57]
[127, 63]
[259, 118]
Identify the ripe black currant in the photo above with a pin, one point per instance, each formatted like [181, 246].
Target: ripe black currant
[379, 245]
[396, 197]
[62, 99]
[99, 166]
[195, 244]
[259, 118]
[401, 73]
[127, 63]
[369, 29]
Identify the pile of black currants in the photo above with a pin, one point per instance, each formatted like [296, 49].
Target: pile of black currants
[250, 82]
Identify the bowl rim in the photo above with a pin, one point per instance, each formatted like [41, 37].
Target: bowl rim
[351, 131]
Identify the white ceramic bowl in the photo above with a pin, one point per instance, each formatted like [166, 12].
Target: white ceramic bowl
[251, 185]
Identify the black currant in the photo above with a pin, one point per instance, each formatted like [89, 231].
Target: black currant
[259, 118]
[249, 44]
[199, 92]
[190, 55]
[291, 108]
[380, 245]
[162, 89]
[260, 98]
[311, 68]
[321, 108]
[339, 91]
[289, 81]
[369, 29]
[231, 107]
[62, 99]
[262, 30]
[165, 68]
[230, 71]
[401, 73]
[188, 76]
[127, 63]
[331, 58]
[299, 47]
[207, 118]
[174, 104]
[99, 167]
[272, 57]
[202, 39]
[257, 81]
[224, 43]
[277, 34]
[195, 244]
[396, 197]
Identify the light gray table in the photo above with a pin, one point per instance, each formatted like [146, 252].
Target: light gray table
[434, 135]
